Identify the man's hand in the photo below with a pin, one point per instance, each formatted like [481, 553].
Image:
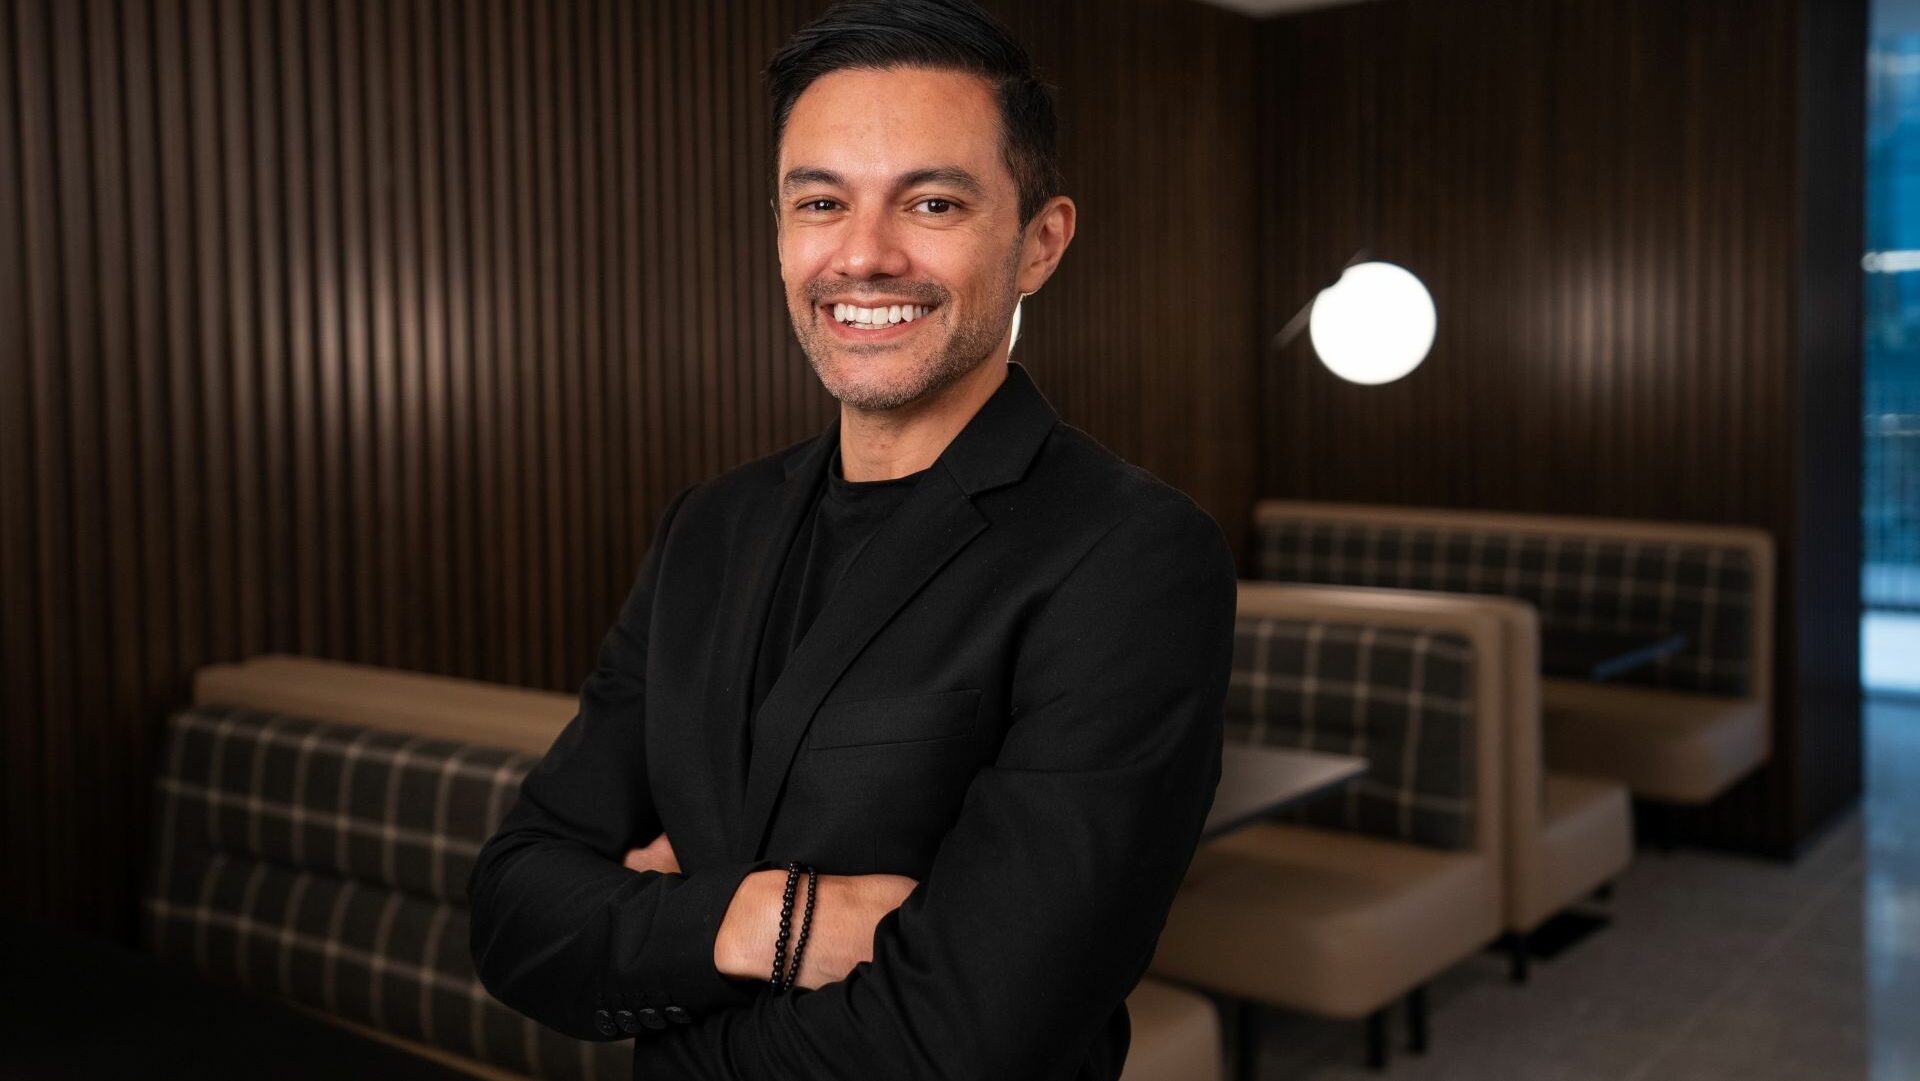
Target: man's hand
[846, 911]
[657, 856]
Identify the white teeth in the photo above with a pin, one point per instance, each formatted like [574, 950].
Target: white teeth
[874, 318]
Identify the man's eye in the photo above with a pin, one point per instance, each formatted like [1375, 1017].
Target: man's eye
[936, 206]
[818, 204]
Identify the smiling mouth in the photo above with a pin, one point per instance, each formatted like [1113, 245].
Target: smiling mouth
[879, 318]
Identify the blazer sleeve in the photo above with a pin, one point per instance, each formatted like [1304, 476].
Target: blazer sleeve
[1045, 900]
[561, 929]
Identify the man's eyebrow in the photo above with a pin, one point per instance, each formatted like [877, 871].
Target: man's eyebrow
[951, 175]
[805, 175]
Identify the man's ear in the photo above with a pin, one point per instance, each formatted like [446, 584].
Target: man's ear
[1047, 237]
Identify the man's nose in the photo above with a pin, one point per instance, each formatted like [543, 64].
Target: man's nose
[870, 247]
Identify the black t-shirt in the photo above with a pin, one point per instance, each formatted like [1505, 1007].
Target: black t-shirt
[846, 514]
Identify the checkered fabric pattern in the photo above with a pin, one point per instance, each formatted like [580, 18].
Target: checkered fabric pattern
[328, 863]
[1403, 699]
[1578, 583]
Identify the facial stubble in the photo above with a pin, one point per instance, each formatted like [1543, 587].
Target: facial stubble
[966, 346]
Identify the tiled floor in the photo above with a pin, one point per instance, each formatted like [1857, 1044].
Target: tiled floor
[1715, 967]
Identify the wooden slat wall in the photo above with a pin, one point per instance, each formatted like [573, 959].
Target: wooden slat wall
[1610, 201]
[1831, 165]
[382, 331]
[1149, 342]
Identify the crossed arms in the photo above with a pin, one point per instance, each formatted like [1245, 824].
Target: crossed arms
[1040, 910]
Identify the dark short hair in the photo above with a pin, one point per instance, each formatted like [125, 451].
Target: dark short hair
[953, 35]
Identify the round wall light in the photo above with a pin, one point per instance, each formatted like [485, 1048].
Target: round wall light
[1374, 325]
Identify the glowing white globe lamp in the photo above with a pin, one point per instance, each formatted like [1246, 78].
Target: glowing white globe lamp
[1374, 325]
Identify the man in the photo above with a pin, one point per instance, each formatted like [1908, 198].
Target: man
[952, 653]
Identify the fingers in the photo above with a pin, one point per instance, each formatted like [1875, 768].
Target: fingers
[658, 855]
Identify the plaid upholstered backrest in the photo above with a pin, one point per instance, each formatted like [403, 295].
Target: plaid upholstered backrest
[327, 864]
[1401, 698]
[1578, 581]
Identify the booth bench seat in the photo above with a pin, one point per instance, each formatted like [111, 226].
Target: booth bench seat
[1682, 730]
[316, 823]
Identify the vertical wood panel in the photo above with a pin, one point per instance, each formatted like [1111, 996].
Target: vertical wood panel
[47, 524]
[271, 485]
[75, 346]
[1827, 323]
[20, 632]
[384, 331]
[118, 666]
[240, 362]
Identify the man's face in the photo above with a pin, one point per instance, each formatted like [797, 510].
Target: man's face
[894, 198]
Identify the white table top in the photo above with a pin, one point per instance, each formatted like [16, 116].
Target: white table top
[1256, 780]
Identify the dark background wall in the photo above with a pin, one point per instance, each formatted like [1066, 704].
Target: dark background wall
[1640, 220]
[383, 331]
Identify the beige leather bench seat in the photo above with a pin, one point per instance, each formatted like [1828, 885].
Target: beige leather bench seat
[1676, 746]
[1567, 833]
[1176, 1035]
[1176, 1032]
[1586, 839]
[1354, 921]
[392, 700]
[1714, 584]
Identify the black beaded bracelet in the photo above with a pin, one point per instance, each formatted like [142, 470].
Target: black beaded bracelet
[806, 922]
[786, 921]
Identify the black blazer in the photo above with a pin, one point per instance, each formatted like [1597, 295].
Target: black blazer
[1014, 697]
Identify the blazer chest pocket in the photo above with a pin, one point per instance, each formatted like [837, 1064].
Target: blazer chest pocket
[913, 718]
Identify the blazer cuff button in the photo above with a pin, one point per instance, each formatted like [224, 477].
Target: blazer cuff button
[603, 1023]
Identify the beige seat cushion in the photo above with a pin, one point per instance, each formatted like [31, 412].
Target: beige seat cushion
[416, 703]
[1585, 840]
[1673, 746]
[1176, 1035]
[1334, 923]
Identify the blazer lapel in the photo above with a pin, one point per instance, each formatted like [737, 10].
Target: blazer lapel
[763, 533]
[930, 528]
[934, 524]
